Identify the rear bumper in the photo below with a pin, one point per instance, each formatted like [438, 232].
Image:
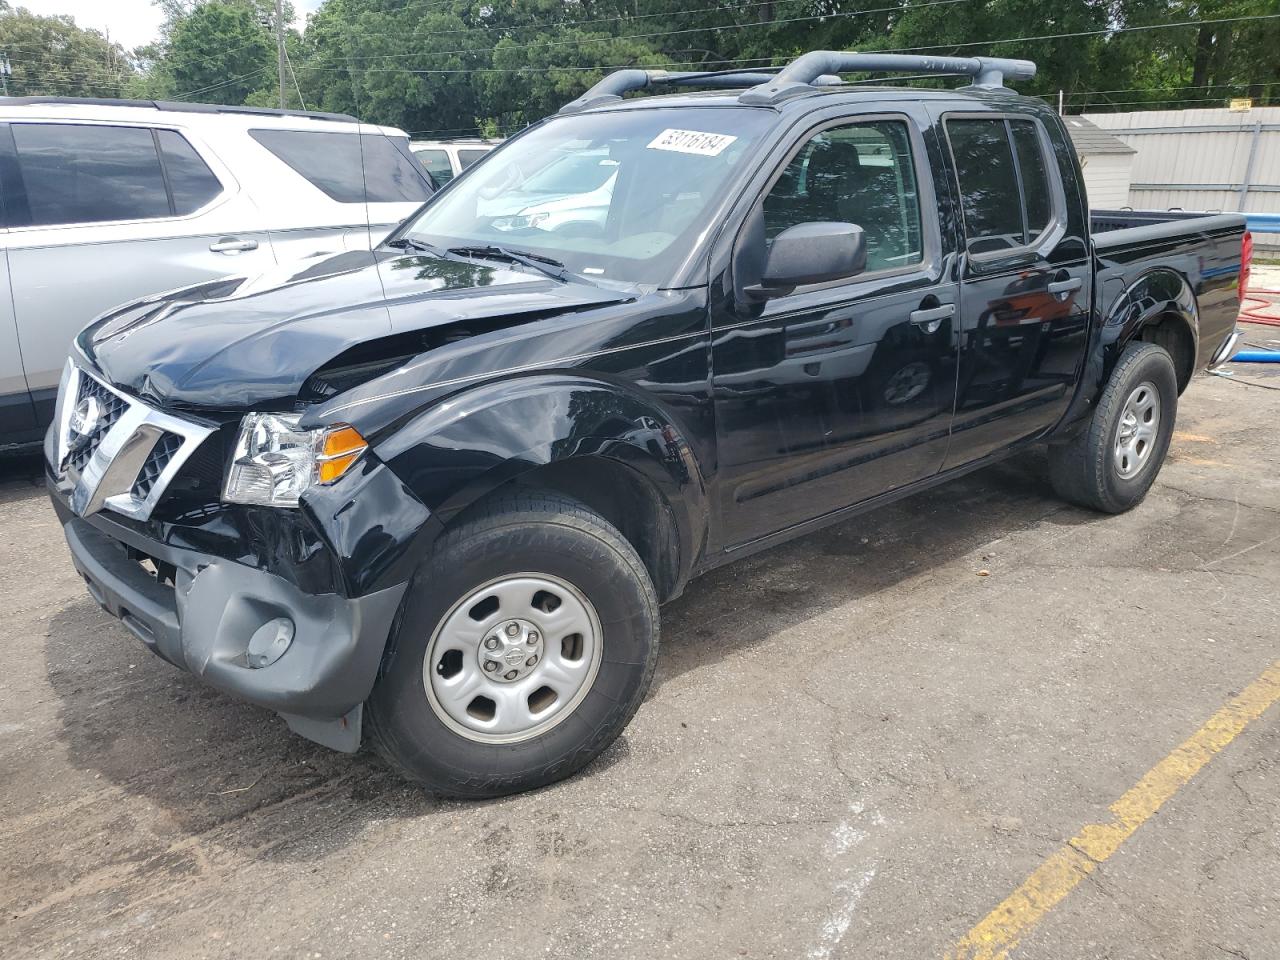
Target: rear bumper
[1226, 351]
[204, 620]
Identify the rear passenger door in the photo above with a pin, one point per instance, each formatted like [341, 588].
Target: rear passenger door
[1025, 290]
[105, 213]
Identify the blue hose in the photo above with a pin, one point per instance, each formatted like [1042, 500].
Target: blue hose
[1257, 356]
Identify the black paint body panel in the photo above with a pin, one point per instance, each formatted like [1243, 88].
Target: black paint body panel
[750, 422]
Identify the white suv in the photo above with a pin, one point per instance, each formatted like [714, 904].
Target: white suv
[445, 159]
[106, 201]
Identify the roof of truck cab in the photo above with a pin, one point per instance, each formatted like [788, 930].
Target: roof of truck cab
[851, 93]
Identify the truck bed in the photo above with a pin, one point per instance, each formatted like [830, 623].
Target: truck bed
[1112, 227]
[1134, 246]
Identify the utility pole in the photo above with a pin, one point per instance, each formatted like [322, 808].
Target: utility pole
[1059, 103]
[280, 46]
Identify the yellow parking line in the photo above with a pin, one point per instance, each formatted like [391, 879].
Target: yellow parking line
[1049, 884]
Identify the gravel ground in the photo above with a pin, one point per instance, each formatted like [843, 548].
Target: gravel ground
[856, 746]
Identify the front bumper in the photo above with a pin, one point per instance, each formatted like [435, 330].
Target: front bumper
[203, 620]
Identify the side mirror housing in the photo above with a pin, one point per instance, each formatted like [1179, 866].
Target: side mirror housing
[811, 253]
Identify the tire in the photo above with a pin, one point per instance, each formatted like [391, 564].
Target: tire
[1089, 470]
[421, 717]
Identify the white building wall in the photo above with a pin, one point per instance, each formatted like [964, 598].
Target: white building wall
[1202, 168]
[1106, 179]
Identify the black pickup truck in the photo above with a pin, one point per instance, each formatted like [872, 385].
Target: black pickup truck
[434, 495]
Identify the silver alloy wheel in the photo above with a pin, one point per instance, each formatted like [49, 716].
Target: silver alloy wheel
[513, 658]
[1136, 434]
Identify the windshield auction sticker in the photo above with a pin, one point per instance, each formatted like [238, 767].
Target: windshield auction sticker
[692, 141]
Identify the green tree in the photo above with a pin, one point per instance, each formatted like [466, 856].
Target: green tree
[219, 51]
[453, 66]
[51, 56]
[394, 62]
[530, 80]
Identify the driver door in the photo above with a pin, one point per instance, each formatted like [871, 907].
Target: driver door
[841, 391]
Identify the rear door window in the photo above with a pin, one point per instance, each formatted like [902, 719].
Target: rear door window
[436, 163]
[190, 179]
[348, 167]
[1005, 193]
[89, 173]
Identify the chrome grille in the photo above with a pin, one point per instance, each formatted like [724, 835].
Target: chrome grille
[130, 454]
[159, 458]
[113, 406]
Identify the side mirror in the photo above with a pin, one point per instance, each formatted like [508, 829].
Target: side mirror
[811, 253]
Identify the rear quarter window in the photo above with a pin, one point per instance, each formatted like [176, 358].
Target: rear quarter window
[192, 182]
[348, 167]
[1035, 176]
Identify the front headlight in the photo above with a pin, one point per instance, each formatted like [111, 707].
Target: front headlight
[275, 461]
[520, 222]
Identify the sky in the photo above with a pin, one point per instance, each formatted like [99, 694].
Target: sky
[131, 23]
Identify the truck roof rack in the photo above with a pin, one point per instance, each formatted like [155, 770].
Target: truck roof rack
[612, 87]
[798, 76]
[818, 68]
[175, 106]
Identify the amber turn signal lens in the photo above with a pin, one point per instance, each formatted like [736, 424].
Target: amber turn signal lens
[331, 470]
[341, 448]
[339, 441]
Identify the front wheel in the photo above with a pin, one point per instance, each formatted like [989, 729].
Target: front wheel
[1111, 464]
[526, 642]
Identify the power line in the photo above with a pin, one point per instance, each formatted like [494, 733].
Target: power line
[1123, 103]
[1200, 86]
[221, 83]
[713, 28]
[1109, 31]
[745, 60]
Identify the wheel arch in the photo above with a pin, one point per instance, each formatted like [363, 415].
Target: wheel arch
[617, 451]
[1159, 307]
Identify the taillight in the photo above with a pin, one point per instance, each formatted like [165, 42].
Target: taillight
[1246, 261]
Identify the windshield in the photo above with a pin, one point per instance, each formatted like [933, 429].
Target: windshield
[621, 196]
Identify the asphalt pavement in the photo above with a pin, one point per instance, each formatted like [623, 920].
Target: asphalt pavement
[858, 745]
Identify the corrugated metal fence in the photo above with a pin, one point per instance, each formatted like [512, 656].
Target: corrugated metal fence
[1219, 160]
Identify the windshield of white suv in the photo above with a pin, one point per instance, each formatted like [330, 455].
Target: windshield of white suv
[617, 196]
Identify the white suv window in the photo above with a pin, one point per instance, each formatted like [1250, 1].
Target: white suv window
[191, 182]
[436, 162]
[368, 169]
[89, 173]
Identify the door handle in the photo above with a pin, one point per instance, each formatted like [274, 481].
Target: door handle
[1065, 286]
[232, 245]
[930, 318]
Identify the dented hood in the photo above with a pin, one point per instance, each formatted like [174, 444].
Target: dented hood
[240, 342]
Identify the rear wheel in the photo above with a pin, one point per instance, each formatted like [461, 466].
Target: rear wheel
[524, 646]
[1111, 464]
